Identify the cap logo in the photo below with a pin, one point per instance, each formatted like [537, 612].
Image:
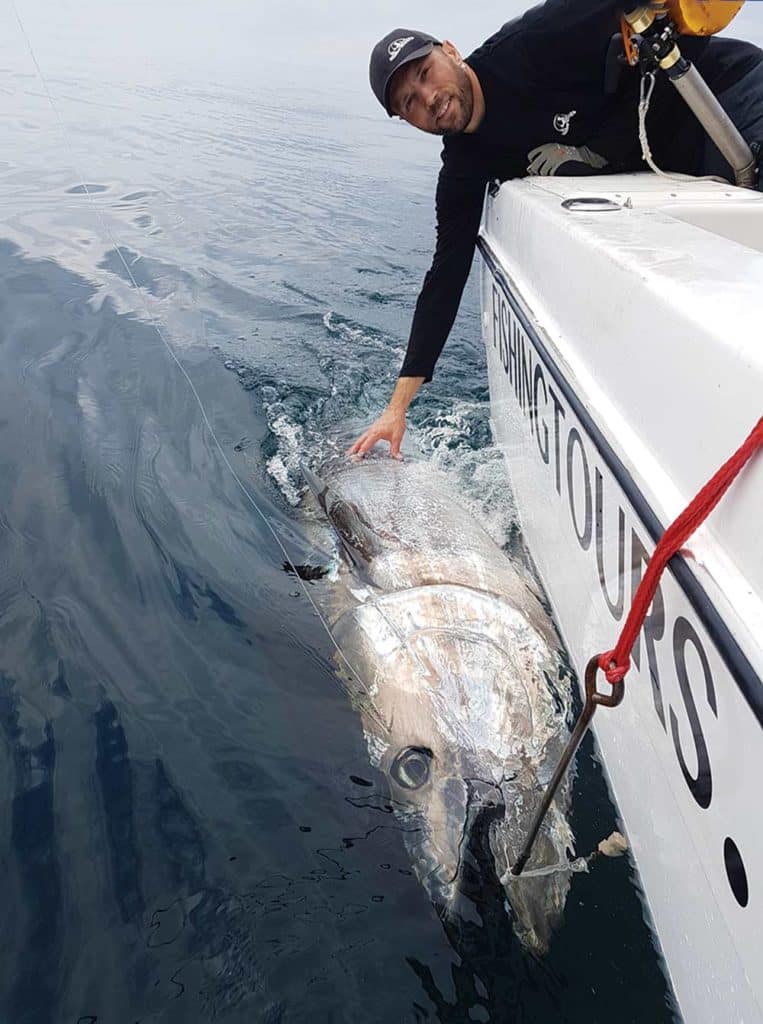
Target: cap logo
[397, 45]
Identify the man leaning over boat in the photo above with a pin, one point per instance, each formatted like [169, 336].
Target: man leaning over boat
[537, 98]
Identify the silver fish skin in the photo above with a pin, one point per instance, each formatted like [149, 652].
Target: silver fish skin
[457, 675]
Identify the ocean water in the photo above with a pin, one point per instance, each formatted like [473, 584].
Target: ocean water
[204, 284]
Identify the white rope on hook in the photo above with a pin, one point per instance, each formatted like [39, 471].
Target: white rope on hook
[645, 97]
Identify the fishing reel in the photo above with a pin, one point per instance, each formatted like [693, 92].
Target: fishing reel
[650, 32]
[690, 17]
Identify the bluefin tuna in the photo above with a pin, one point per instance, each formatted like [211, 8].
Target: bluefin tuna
[456, 670]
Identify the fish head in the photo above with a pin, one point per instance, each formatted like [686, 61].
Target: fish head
[446, 802]
[452, 738]
[472, 735]
[465, 819]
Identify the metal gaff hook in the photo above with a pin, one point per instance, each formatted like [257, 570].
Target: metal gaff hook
[592, 700]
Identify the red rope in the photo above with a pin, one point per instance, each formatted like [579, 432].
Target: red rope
[616, 663]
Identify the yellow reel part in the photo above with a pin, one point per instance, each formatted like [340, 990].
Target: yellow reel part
[701, 17]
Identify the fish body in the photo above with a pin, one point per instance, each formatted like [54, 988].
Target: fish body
[457, 676]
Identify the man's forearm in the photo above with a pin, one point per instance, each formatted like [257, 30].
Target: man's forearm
[404, 392]
[443, 286]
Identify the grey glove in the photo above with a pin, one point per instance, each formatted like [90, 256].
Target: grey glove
[548, 158]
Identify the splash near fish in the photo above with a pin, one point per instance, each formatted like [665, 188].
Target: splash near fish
[459, 680]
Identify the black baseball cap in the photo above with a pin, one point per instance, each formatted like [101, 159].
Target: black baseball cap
[397, 48]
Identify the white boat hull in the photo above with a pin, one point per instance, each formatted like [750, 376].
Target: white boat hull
[594, 489]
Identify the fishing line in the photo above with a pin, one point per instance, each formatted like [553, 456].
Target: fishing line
[156, 324]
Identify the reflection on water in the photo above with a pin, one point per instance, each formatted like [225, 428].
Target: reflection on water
[189, 826]
[33, 842]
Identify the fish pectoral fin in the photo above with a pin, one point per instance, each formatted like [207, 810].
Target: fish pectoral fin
[359, 540]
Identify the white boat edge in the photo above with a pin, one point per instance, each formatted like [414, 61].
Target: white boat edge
[606, 328]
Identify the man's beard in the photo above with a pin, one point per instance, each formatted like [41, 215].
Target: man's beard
[465, 96]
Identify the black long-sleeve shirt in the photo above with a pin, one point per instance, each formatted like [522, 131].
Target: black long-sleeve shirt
[542, 66]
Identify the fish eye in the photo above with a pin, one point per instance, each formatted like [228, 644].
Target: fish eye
[410, 769]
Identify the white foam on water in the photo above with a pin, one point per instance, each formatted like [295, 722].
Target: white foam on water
[477, 470]
[284, 466]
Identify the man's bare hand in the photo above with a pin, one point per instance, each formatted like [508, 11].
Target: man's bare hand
[389, 427]
[391, 424]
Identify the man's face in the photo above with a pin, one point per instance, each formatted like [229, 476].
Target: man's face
[434, 93]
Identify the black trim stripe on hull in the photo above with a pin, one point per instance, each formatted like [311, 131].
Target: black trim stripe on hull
[732, 654]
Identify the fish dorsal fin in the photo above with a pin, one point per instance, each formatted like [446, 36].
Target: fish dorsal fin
[360, 542]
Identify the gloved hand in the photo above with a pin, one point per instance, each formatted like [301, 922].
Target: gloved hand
[548, 158]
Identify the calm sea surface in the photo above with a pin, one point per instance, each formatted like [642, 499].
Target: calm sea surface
[189, 826]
